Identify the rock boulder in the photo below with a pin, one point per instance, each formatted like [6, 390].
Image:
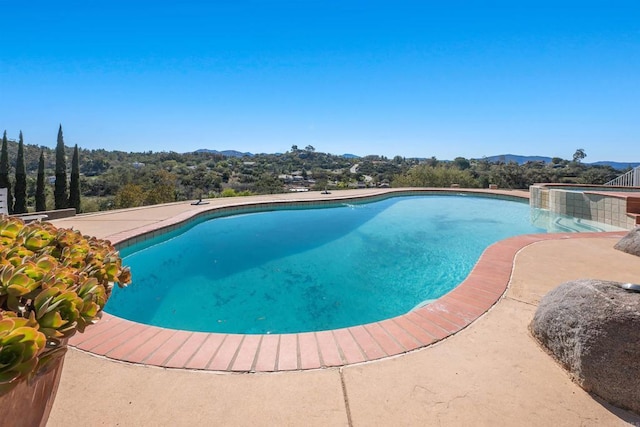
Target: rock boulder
[630, 243]
[592, 328]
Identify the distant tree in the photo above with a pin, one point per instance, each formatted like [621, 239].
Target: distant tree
[439, 176]
[461, 163]
[321, 184]
[4, 172]
[129, 196]
[41, 198]
[556, 160]
[294, 148]
[199, 182]
[310, 148]
[95, 166]
[509, 175]
[579, 155]
[269, 184]
[597, 175]
[74, 185]
[20, 205]
[433, 162]
[163, 188]
[60, 192]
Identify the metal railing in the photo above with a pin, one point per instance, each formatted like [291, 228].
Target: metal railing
[629, 179]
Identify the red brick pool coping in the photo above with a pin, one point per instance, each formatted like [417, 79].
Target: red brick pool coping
[128, 341]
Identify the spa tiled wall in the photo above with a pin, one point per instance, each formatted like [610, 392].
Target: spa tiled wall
[607, 209]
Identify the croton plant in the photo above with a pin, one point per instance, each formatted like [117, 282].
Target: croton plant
[53, 282]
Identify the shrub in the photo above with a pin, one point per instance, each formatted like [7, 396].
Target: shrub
[53, 283]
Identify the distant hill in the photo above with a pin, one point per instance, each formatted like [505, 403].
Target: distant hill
[228, 153]
[617, 165]
[350, 156]
[506, 158]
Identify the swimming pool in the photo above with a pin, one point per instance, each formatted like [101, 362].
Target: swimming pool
[296, 270]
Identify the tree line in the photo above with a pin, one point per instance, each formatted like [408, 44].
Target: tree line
[480, 173]
[66, 195]
[103, 180]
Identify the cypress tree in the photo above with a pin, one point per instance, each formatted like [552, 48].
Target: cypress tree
[74, 185]
[4, 172]
[41, 198]
[60, 192]
[20, 205]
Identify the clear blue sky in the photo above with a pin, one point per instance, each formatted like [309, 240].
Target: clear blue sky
[410, 78]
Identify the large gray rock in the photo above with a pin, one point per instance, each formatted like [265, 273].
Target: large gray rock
[592, 328]
[630, 243]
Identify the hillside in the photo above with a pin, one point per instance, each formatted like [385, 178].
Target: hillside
[116, 179]
[521, 160]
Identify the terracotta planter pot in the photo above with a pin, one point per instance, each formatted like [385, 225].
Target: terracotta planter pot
[29, 403]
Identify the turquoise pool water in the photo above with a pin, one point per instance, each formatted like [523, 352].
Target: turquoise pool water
[298, 270]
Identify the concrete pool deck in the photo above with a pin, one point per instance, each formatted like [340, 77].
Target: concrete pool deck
[490, 373]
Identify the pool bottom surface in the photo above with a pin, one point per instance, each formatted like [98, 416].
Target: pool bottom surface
[127, 341]
[294, 270]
